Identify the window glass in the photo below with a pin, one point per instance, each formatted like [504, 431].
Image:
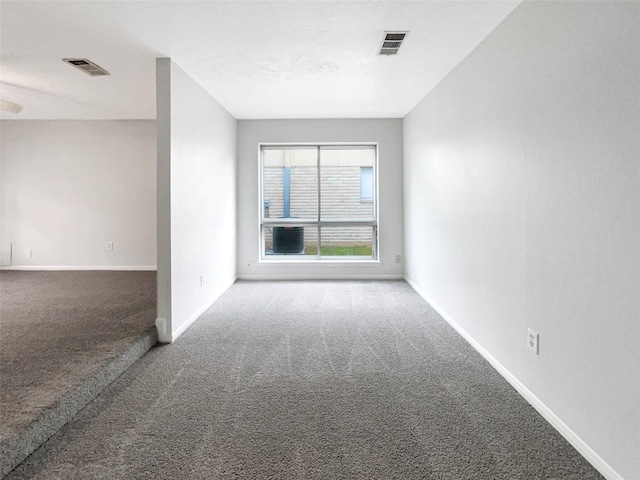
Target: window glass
[366, 183]
[347, 240]
[341, 182]
[290, 183]
[290, 240]
[318, 202]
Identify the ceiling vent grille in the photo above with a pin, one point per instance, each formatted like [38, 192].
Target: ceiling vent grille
[87, 66]
[392, 42]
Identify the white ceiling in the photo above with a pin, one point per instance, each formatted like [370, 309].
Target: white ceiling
[262, 59]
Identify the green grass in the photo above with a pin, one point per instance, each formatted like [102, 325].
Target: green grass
[339, 251]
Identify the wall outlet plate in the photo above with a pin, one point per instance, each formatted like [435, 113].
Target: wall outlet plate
[109, 245]
[532, 340]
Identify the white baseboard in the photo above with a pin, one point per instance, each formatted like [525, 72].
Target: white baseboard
[81, 267]
[199, 312]
[580, 445]
[161, 327]
[320, 277]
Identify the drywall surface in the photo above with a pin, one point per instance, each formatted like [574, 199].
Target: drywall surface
[69, 187]
[388, 134]
[522, 210]
[197, 169]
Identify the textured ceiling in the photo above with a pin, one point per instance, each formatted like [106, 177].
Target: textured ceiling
[263, 59]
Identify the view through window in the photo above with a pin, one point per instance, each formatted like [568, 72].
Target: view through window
[319, 201]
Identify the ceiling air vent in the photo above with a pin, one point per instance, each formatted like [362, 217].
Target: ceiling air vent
[392, 42]
[87, 66]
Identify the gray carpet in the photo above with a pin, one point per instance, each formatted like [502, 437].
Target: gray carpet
[64, 336]
[310, 380]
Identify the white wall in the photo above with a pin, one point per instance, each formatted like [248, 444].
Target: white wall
[196, 201]
[523, 210]
[388, 134]
[69, 187]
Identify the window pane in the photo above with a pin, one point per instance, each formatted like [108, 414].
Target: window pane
[340, 182]
[366, 183]
[293, 241]
[347, 241]
[295, 178]
[290, 183]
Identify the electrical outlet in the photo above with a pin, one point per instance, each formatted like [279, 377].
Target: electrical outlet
[202, 279]
[532, 340]
[249, 265]
[109, 245]
[27, 253]
[398, 258]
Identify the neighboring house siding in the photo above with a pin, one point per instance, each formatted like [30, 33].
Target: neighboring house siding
[340, 186]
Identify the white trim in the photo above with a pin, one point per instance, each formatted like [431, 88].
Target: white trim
[161, 327]
[301, 222]
[320, 277]
[262, 222]
[82, 267]
[278, 145]
[341, 261]
[190, 320]
[198, 313]
[580, 445]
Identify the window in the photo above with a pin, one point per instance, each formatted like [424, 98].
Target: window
[318, 202]
[366, 183]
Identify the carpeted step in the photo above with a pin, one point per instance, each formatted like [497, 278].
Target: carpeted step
[22, 443]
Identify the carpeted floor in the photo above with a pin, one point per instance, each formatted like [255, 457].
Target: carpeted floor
[310, 380]
[58, 330]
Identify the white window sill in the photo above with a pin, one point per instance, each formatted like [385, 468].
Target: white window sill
[320, 261]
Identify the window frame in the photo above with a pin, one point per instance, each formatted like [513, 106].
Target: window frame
[264, 222]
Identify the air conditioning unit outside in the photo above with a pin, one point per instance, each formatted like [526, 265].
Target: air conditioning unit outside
[288, 240]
